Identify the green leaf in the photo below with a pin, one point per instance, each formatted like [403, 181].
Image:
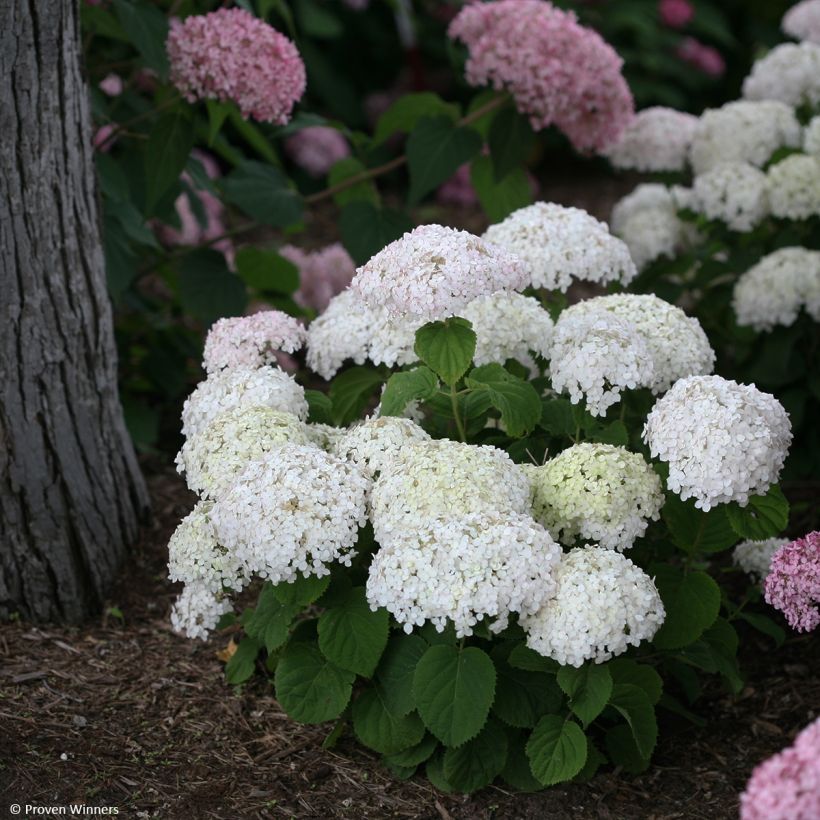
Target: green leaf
[435, 773]
[352, 635]
[522, 657]
[478, 762]
[409, 385]
[613, 433]
[272, 619]
[147, 28]
[510, 140]
[395, 672]
[382, 729]
[447, 347]
[435, 150]
[309, 687]
[363, 191]
[499, 199]
[366, 229]
[588, 688]
[633, 703]
[266, 270]
[696, 531]
[408, 110]
[517, 772]
[622, 749]
[764, 624]
[207, 288]
[217, 112]
[302, 591]
[318, 21]
[453, 691]
[169, 144]
[691, 607]
[594, 761]
[557, 750]
[765, 516]
[517, 400]
[241, 664]
[522, 697]
[415, 755]
[557, 417]
[625, 670]
[263, 193]
[350, 392]
[320, 407]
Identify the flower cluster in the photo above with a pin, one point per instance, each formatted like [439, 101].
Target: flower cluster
[802, 21]
[317, 148]
[733, 192]
[811, 137]
[229, 54]
[557, 71]
[793, 582]
[789, 73]
[723, 441]
[433, 272]
[558, 244]
[251, 341]
[773, 291]
[603, 604]
[702, 57]
[322, 274]
[597, 492]
[786, 786]
[658, 139]
[675, 13]
[755, 557]
[794, 187]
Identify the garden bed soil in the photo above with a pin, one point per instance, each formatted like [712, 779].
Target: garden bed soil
[122, 712]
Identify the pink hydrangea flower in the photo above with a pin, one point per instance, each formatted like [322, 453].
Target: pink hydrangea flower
[559, 72]
[793, 583]
[787, 785]
[322, 274]
[802, 21]
[231, 55]
[111, 85]
[317, 149]
[703, 57]
[102, 139]
[251, 341]
[675, 13]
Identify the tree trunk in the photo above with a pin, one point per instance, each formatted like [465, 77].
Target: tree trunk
[71, 494]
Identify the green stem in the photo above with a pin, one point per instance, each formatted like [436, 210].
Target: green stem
[456, 413]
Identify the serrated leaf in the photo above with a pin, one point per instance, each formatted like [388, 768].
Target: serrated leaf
[169, 144]
[350, 392]
[395, 671]
[380, 728]
[453, 690]
[352, 635]
[263, 193]
[765, 516]
[410, 385]
[696, 531]
[309, 687]
[522, 697]
[623, 751]
[302, 591]
[516, 399]
[557, 750]
[691, 607]
[614, 433]
[147, 28]
[478, 762]
[241, 664]
[271, 620]
[557, 417]
[517, 772]
[595, 759]
[625, 670]
[510, 140]
[366, 229]
[766, 625]
[436, 148]
[415, 755]
[267, 270]
[499, 199]
[447, 347]
[435, 773]
[633, 703]
[364, 191]
[588, 688]
[208, 290]
[522, 657]
[403, 115]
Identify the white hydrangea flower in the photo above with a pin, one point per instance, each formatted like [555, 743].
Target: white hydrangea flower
[213, 457]
[597, 492]
[433, 272]
[603, 605]
[376, 442]
[794, 187]
[811, 137]
[755, 557]
[773, 291]
[789, 73]
[648, 196]
[444, 479]
[324, 436]
[677, 344]
[657, 139]
[802, 21]
[733, 192]
[559, 244]
[723, 441]
[196, 557]
[242, 387]
[197, 611]
[464, 570]
[595, 356]
[743, 131]
[508, 326]
[296, 510]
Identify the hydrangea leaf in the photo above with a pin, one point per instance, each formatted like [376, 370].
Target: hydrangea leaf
[352, 635]
[241, 664]
[309, 687]
[408, 110]
[208, 290]
[517, 400]
[510, 141]
[522, 697]
[301, 592]
[522, 657]
[406, 386]
[696, 531]
[478, 762]
[633, 703]
[446, 347]
[415, 755]
[166, 153]
[267, 270]
[382, 729]
[625, 670]
[366, 229]
[350, 392]
[263, 193]
[435, 773]
[272, 619]
[453, 690]
[765, 516]
[499, 199]
[691, 607]
[517, 771]
[588, 687]
[622, 749]
[395, 671]
[557, 750]
[147, 28]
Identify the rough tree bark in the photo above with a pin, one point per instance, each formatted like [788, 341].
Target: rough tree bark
[71, 494]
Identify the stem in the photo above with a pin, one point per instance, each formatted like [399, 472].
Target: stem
[456, 413]
[145, 115]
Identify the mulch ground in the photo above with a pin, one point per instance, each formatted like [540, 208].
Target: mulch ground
[122, 712]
